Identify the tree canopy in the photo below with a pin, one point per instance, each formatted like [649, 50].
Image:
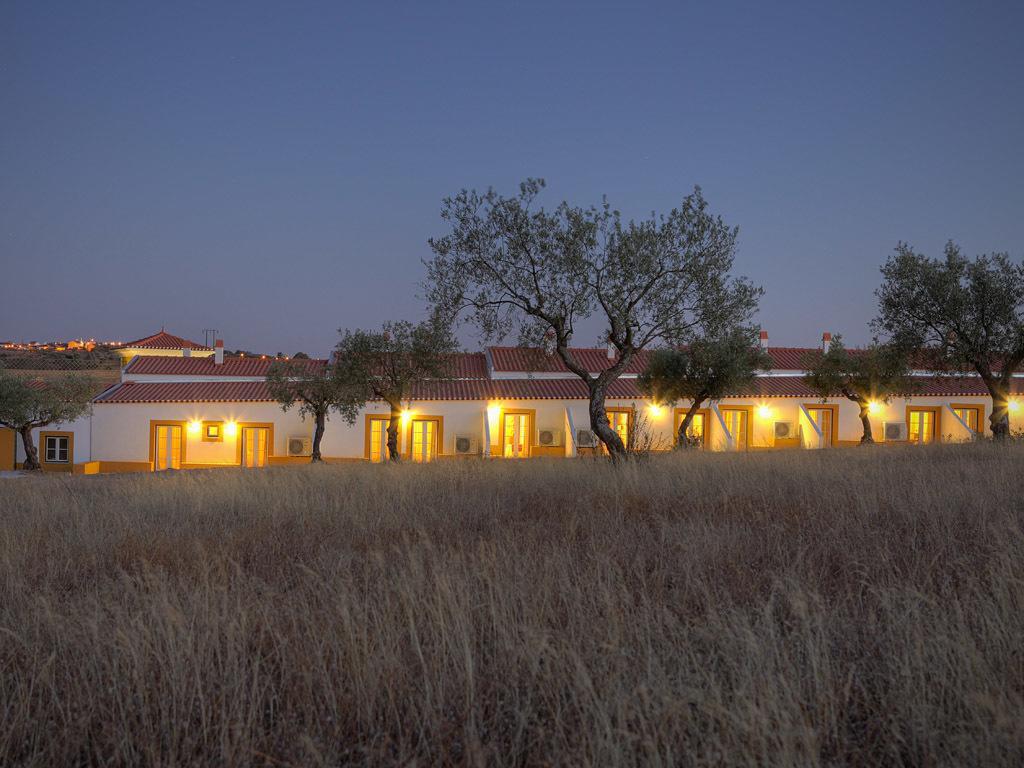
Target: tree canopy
[709, 368]
[390, 363]
[26, 405]
[966, 313]
[513, 268]
[873, 374]
[316, 390]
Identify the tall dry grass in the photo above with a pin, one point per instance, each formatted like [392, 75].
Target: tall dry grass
[861, 607]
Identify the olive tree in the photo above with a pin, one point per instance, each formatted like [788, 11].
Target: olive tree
[312, 386]
[512, 267]
[26, 405]
[968, 313]
[391, 363]
[873, 374]
[709, 368]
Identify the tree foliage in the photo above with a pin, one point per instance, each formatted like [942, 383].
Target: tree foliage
[873, 374]
[709, 368]
[968, 313]
[513, 268]
[391, 363]
[26, 405]
[313, 387]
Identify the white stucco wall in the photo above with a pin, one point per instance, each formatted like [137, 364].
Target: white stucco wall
[81, 429]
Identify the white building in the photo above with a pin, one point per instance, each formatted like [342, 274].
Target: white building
[190, 411]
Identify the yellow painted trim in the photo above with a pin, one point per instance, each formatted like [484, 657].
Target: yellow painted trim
[8, 448]
[56, 466]
[936, 421]
[438, 435]
[153, 424]
[268, 425]
[750, 419]
[677, 418]
[368, 431]
[531, 413]
[835, 417]
[979, 407]
[220, 432]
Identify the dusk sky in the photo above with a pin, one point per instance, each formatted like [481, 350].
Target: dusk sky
[273, 170]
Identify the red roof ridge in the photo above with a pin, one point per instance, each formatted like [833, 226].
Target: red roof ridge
[164, 340]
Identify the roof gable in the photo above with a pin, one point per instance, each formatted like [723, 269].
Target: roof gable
[164, 340]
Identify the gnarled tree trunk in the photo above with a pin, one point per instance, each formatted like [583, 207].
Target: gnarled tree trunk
[31, 454]
[999, 420]
[318, 434]
[601, 426]
[393, 424]
[682, 441]
[867, 438]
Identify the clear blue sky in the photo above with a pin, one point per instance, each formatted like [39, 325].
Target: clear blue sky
[275, 169]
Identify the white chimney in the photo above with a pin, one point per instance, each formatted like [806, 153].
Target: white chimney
[218, 352]
[186, 352]
[611, 350]
[826, 341]
[764, 339]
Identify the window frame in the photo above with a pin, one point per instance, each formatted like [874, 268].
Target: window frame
[56, 437]
[678, 414]
[220, 431]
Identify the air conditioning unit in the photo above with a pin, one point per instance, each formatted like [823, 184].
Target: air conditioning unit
[549, 437]
[785, 430]
[895, 430]
[300, 446]
[465, 445]
[585, 438]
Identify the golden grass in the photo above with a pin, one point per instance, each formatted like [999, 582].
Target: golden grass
[857, 606]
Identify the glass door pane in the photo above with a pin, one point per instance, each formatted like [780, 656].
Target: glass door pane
[620, 423]
[736, 423]
[424, 439]
[515, 435]
[822, 417]
[379, 439]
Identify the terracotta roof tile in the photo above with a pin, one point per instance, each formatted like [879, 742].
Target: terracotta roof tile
[164, 340]
[505, 389]
[535, 360]
[145, 365]
[188, 392]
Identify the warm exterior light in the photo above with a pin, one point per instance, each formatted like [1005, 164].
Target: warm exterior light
[765, 411]
[406, 416]
[874, 407]
[194, 427]
[231, 429]
[655, 410]
[493, 410]
[1014, 405]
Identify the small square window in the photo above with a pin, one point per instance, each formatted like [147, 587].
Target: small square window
[213, 431]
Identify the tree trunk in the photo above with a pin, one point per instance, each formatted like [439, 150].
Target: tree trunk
[682, 441]
[31, 455]
[999, 421]
[600, 425]
[867, 438]
[318, 434]
[396, 418]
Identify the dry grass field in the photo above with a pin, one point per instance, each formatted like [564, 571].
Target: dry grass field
[847, 607]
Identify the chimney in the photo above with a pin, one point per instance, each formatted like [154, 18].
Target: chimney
[186, 352]
[826, 341]
[764, 339]
[218, 352]
[612, 352]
